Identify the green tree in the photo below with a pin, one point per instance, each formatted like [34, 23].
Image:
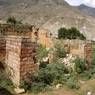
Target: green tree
[71, 33]
[62, 33]
[12, 20]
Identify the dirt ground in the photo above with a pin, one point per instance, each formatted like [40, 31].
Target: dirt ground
[84, 88]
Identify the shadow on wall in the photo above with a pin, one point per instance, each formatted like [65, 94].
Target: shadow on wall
[3, 91]
[1, 66]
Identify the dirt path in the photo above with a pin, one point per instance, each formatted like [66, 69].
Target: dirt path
[60, 91]
[86, 86]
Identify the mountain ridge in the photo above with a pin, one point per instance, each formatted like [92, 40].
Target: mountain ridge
[48, 14]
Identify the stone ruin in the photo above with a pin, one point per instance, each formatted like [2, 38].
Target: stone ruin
[78, 48]
[20, 57]
[19, 51]
[2, 48]
[19, 54]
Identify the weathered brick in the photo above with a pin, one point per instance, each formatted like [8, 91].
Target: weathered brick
[19, 57]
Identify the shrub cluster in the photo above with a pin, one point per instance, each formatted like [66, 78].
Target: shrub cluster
[71, 33]
[59, 51]
[42, 52]
[80, 65]
[51, 75]
[5, 82]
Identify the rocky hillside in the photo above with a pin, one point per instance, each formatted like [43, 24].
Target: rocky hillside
[48, 14]
[87, 10]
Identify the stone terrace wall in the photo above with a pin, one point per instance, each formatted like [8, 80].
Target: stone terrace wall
[20, 55]
[82, 49]
[2, 48]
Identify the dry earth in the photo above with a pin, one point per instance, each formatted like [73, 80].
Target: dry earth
[84, 88]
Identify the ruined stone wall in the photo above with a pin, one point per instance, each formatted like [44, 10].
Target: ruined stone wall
[2, 48]
[28, 58]
[80, 48]
[45, 39]
[20, 29]
[88, 49]
[20, 57]
[76, 47]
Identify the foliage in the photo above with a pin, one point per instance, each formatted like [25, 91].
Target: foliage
[52, 72]
[71, 33]
[59, 51]
[41, 52]
[62, 33]
[38, 87]
[5, 81]
[80, 65]
[72, 82]
[45, 77]
[13, 21]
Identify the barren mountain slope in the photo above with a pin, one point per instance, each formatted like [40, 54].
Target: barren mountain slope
[48, 14]
[87, 10]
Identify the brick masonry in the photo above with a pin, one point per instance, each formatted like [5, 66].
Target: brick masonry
[2, 48]
[88, 53]
[82, 49]
[20, 57]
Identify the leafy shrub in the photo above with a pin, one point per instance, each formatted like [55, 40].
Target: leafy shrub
[41, 52]
[72, 82]
[45, 77]
[71, 33]
[85, 75]
[13, 21]
[80, 65]
[5, 82]
[59, 51]
[38, 87]
[43, 65]
[51, 73]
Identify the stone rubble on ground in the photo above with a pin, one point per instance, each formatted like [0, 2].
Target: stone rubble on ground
[89, 93]
[19, 90]
[58, 86]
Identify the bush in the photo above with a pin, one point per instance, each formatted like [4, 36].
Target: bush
[71, 33]
[80, 65]
[41, 52]
[72, 82]
[38, 87]
[45, 77]
[13, 21]
[5, 82]
[51, 73]
[85, 75]
[59, 51]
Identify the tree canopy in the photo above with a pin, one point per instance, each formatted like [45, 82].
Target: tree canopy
[71, 33]
[12, 20]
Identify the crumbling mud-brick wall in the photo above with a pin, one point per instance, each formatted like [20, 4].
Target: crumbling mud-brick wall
[20, 30]
[2, 48]
[45, 38]
[79, 48]
[88, 49]
[20, 57]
